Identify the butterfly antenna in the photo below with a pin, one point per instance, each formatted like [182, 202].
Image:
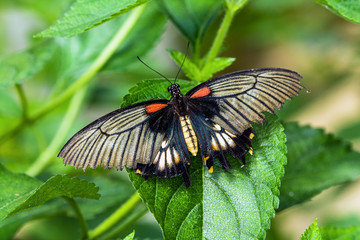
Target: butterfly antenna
[187, 49]
[154, 70]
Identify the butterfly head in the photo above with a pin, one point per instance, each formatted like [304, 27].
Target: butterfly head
[174, 89]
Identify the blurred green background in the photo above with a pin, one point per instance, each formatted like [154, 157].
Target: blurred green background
[294, 34]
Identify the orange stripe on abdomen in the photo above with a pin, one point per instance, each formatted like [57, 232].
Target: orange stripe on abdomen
[155, 107]
[202, 92]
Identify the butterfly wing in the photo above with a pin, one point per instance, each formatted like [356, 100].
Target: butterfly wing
[172, 159]
[222, 108]
[125, 137]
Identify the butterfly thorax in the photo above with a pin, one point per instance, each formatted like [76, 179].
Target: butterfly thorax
[179, 103]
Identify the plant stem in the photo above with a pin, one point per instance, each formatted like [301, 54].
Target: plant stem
[117, 216]
[50, 152]
[80, 217]
[85, 78]
[23, 101]
[220, 36]
[127, 223]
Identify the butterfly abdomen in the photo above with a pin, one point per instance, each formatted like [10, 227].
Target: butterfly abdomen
[189, 134]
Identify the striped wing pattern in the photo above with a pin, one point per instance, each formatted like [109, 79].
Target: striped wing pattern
[172, 159]
[216, 141]
[149, 137]
[120, 138]
[243, 96]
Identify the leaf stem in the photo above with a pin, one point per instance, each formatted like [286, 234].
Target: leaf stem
[117, 216]
[220, 36]
[80, 217]
[50, 152]
[127, 223]
[23, 101]
[85, 78]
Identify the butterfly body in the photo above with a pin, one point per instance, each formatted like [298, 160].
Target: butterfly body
[213, 120]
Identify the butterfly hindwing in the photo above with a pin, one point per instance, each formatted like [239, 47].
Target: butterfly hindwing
[172, 159]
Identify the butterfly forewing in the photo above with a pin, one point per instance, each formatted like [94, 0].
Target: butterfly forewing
[243, 96]
[120, 138]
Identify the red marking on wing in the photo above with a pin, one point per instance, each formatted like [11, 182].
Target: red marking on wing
[202, 92]
[155, 107]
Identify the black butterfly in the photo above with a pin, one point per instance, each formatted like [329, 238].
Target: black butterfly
[156, 136]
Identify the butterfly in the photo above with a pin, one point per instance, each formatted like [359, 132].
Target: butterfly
[158, 136]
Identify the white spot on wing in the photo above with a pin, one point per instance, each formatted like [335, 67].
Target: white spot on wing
[214, 144]
[176, 156]
[162, 161]
[164, 144]
[168, 157]
[228, 139]
[217, 127]
[156, 159]
[221, 141]
[230, 134]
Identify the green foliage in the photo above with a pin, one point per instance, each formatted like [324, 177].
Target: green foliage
[348, 9]
[334, 233]
[235, 4]
[316, 161]
[154, 88]
[312, 233]
[8, 106]
[191, 17]
[152, 27]
[130, 236]
[193, 72]
[20, 66]
[86, 14]
[15, 190]
[31, 193]
[106, 36]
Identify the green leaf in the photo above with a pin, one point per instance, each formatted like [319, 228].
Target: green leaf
[20, 192]
[75, 55]
[189, 68]
[191, 17]
[153, 89]
[235, 5]
[86, 14]
[312, 233]
[20, 66]
[113, 191]
[334, 233]
[215, 66]
[15, 189]
[130, 236]
[9, 226]
[194, 73]
[348, 9]
[350, 131]
[237, 202]
[316, 161]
